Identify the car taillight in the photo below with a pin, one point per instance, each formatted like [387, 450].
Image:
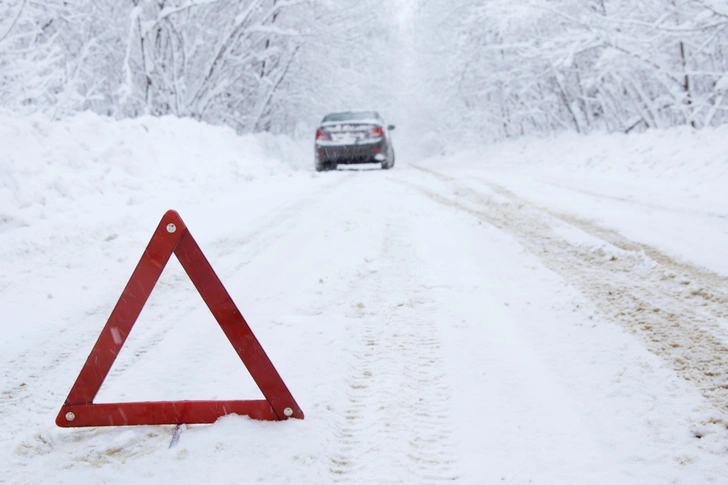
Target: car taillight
[378, 131]
[321, 135]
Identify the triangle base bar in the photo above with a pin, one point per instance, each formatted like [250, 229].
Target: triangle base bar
[161, 412]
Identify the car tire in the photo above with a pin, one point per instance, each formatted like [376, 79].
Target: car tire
[389, 163]
[325, 167]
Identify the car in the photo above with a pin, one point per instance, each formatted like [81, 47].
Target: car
[353, 137]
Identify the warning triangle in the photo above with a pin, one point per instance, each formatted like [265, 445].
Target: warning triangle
[172, 236]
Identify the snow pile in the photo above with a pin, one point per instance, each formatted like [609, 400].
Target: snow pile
[667, 155]
[49, 168]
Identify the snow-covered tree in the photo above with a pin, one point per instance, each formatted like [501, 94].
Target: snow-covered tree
[510, 68]
[472, 70]
[30, 55]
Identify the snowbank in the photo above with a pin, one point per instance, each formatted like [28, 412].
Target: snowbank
[47, 168]
[677, 154]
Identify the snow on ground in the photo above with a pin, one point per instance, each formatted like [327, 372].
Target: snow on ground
[540, 311]
[664, 188]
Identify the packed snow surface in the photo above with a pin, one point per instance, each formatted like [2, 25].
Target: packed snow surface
[541, 311]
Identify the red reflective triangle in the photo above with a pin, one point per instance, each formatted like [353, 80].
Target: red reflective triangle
[172, 236]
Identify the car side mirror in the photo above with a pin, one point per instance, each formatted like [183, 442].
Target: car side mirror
[391, 127]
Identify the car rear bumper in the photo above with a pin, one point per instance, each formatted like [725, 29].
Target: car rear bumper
[345, 154]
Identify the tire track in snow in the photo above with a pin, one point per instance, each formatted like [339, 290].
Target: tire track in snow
[678, 310]
[246, 245]
[397, 391]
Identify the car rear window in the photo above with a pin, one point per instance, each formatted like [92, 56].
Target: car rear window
[361, 115]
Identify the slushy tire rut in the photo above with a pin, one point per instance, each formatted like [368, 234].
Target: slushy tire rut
[678, 310]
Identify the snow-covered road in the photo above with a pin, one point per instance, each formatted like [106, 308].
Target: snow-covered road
[435, 323]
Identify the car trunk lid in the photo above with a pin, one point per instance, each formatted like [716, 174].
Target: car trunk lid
[348, 133]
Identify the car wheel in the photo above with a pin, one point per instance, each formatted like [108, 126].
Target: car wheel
[325, 167]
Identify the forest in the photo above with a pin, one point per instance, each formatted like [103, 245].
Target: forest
[474, 70]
